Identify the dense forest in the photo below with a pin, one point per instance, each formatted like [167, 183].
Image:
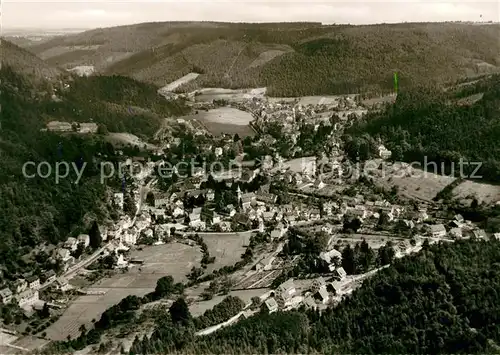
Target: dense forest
[443, 300]
[37, 210]
[289, 59]
[427, 123]
[119, 103]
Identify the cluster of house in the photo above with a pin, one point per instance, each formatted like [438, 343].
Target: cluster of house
[289, 114]
[288, 295]
[458, 228]
[25, 291]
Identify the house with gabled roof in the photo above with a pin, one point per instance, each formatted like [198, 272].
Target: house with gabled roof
[285, 292]
[322, 295]
[271, 305]
[5, 295]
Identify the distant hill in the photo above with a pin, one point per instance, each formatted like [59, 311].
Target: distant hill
[432, 125]
[289, 58]
[23, 61]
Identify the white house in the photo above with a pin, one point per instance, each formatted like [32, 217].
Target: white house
[322, 295]
[195, 216]
[330, 256]
[6, 295]
[271, 304]
[33, 282]
[62, 284]
[20, 285]
[285, 292]
[383, 152]
[218, 152]
[71, 244]
[456, 232]
[84, 239]
[329, 208]
[50, 276]
[438, 230]
[177, 212]
[314, 214]
[161, 202]
[340, 273]
[118, 199]
[129, 238]
[27, 298]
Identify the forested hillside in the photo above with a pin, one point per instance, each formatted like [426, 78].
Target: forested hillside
[429, 123]
[290, 59]
[441, 301]
[35, 211]
[121, 104]
[25, 62]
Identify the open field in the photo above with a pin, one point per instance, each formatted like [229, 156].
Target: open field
[297, 165]
[226, 247]
[412, 183]
[198, 308]
[483, 192]
[265, 57]
[225, 120]
[210, 94]
[173, 259]
[175, 84]
[378, 100]
[123, 139]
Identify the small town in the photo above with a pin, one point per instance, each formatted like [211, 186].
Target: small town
[285, 220]
[249, 178]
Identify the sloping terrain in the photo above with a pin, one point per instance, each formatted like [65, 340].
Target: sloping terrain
[290, 59]
[22, 61]
[435, 126]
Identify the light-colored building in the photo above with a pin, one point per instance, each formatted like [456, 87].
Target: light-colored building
[383, 152]
[71, 244]
[33, 282]
[438, 231]
[340, 273]
[50, 276]
[88, 127]
[285, 292]
[20, 285]
[195, 216]
[271, 304]
[456, 232]
[27, 298]
[57, 126]
[84, 239]
[322, 294]
[118, 199]
[6, 295]
[62, 284]
[330, 256]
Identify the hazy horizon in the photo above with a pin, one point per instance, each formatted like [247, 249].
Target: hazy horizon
[79, 15]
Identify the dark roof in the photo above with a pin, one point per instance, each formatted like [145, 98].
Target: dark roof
[32, 279]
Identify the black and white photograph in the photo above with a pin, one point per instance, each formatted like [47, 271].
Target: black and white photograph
[249, 177]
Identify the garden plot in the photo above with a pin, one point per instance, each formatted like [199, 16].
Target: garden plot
[415, 183]
[173, 259]
[225, 120]
[226, 247]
